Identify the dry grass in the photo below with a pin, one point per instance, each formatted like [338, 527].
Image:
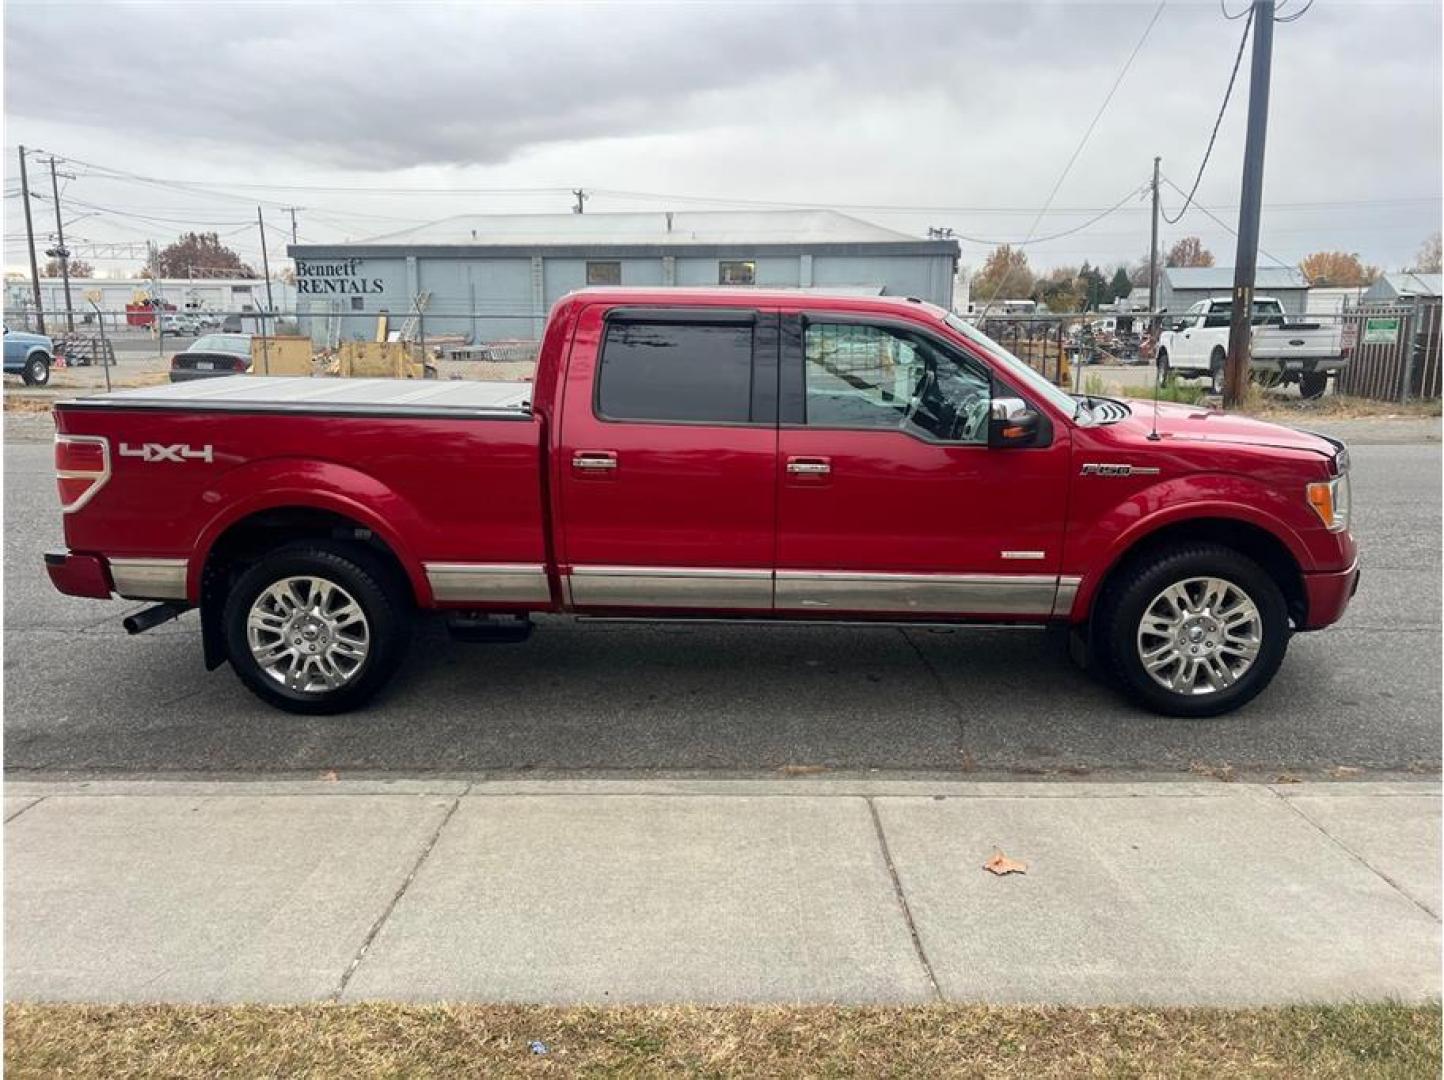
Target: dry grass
[1336, 407]
[17, 403]
[119, 1042]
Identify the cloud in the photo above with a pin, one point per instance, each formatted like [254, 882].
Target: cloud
[936, 104]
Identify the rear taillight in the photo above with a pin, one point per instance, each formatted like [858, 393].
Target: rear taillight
[242, 364]
[175, 361]
[82, 466]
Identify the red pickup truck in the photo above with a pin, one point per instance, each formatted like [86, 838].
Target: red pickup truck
[722, 454]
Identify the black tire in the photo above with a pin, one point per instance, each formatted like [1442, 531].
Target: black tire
[37, 370]
[376, 591]
[1312, 384]
[1215, 371]
[1164, 372]
[1135, 586]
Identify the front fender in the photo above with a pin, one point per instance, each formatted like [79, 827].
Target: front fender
[276, 483]
[1096, 549]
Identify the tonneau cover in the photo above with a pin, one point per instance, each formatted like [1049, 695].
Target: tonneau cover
[399, 397]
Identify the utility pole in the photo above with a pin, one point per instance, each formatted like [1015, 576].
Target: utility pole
[582, 197]
[292, 211]
[265, 269]
[1153, 249]
[60, 251]
[1240, 329]
[30, 236]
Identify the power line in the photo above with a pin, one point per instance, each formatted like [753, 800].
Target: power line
[1237, 60]
[1088, 132]
[1225, 225]
[1296, 16]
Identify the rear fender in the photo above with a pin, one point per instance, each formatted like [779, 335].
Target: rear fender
[277, 483]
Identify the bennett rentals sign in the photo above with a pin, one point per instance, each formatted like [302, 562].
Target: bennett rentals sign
[1381, 330]
[334, 278]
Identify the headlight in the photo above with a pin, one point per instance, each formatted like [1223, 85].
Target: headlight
[1330, 500]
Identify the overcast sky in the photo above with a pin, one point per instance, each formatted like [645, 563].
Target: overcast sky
[970, 110]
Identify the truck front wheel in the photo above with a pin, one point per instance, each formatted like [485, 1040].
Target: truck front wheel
[1215, 371]
[1163, 370]
[1193, 630]
[37, 370]
[316, 627]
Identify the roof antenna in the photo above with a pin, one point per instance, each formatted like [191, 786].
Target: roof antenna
[1153, 435]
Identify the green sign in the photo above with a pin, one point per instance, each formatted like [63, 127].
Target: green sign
[1381, 331]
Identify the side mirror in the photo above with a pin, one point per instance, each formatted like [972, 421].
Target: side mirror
[1179, 325]
[1012, 423]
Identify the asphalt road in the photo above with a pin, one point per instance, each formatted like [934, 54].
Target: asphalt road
[601, 699]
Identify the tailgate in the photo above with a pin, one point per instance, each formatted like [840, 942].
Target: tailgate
[1296, 342]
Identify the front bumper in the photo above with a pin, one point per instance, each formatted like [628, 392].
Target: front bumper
[1329, 596]
[78, 575]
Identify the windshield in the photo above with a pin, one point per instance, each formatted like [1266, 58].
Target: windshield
[239, 344]
[1017, 368]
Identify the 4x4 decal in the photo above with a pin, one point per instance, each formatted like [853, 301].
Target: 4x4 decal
[174, 452]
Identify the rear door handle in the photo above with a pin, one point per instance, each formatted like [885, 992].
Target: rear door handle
[594, 460]
[809, 466]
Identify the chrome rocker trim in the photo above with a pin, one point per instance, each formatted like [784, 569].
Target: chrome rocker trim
[490, 583]
[149, 579]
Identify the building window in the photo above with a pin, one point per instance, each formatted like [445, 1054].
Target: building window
[737, 272]
[241, 289]
[604, 273]
[700, 373]
[358, 303]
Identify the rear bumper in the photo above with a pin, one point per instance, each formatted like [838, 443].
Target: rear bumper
[97, 577]
[1329, 596]
[189, 374]
[78, 575]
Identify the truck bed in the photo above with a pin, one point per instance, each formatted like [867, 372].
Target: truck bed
[447, 472]
[366, 397]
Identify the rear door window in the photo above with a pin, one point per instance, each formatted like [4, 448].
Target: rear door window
[677, 371]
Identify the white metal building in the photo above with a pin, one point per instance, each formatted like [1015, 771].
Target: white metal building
[495, 277]
[111, 295]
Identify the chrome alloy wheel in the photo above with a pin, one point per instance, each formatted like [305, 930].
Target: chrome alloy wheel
[308, 634]
[1199, 635]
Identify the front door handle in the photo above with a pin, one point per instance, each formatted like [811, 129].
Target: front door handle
[809, 466]
[594, 460]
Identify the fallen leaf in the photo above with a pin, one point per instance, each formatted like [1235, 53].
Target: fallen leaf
[1287, 778]
[1341, 772]
[330, 776]
[1000, 864]
[802, 770]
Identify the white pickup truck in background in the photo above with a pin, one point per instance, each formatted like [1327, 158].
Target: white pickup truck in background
[1195, 345]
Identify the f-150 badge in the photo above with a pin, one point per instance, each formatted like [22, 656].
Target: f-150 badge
[1094, 469]
[174, 452]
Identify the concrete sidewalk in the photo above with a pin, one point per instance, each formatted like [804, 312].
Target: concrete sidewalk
[719, 891]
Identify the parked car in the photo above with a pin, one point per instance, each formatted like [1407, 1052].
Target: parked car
[183, 325]
[212, 355]
[29, 356]
[1195, 345]
[709, 453]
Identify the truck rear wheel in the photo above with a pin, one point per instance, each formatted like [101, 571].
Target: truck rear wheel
[316, 627]
[1193, 630]
[1312, 384]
